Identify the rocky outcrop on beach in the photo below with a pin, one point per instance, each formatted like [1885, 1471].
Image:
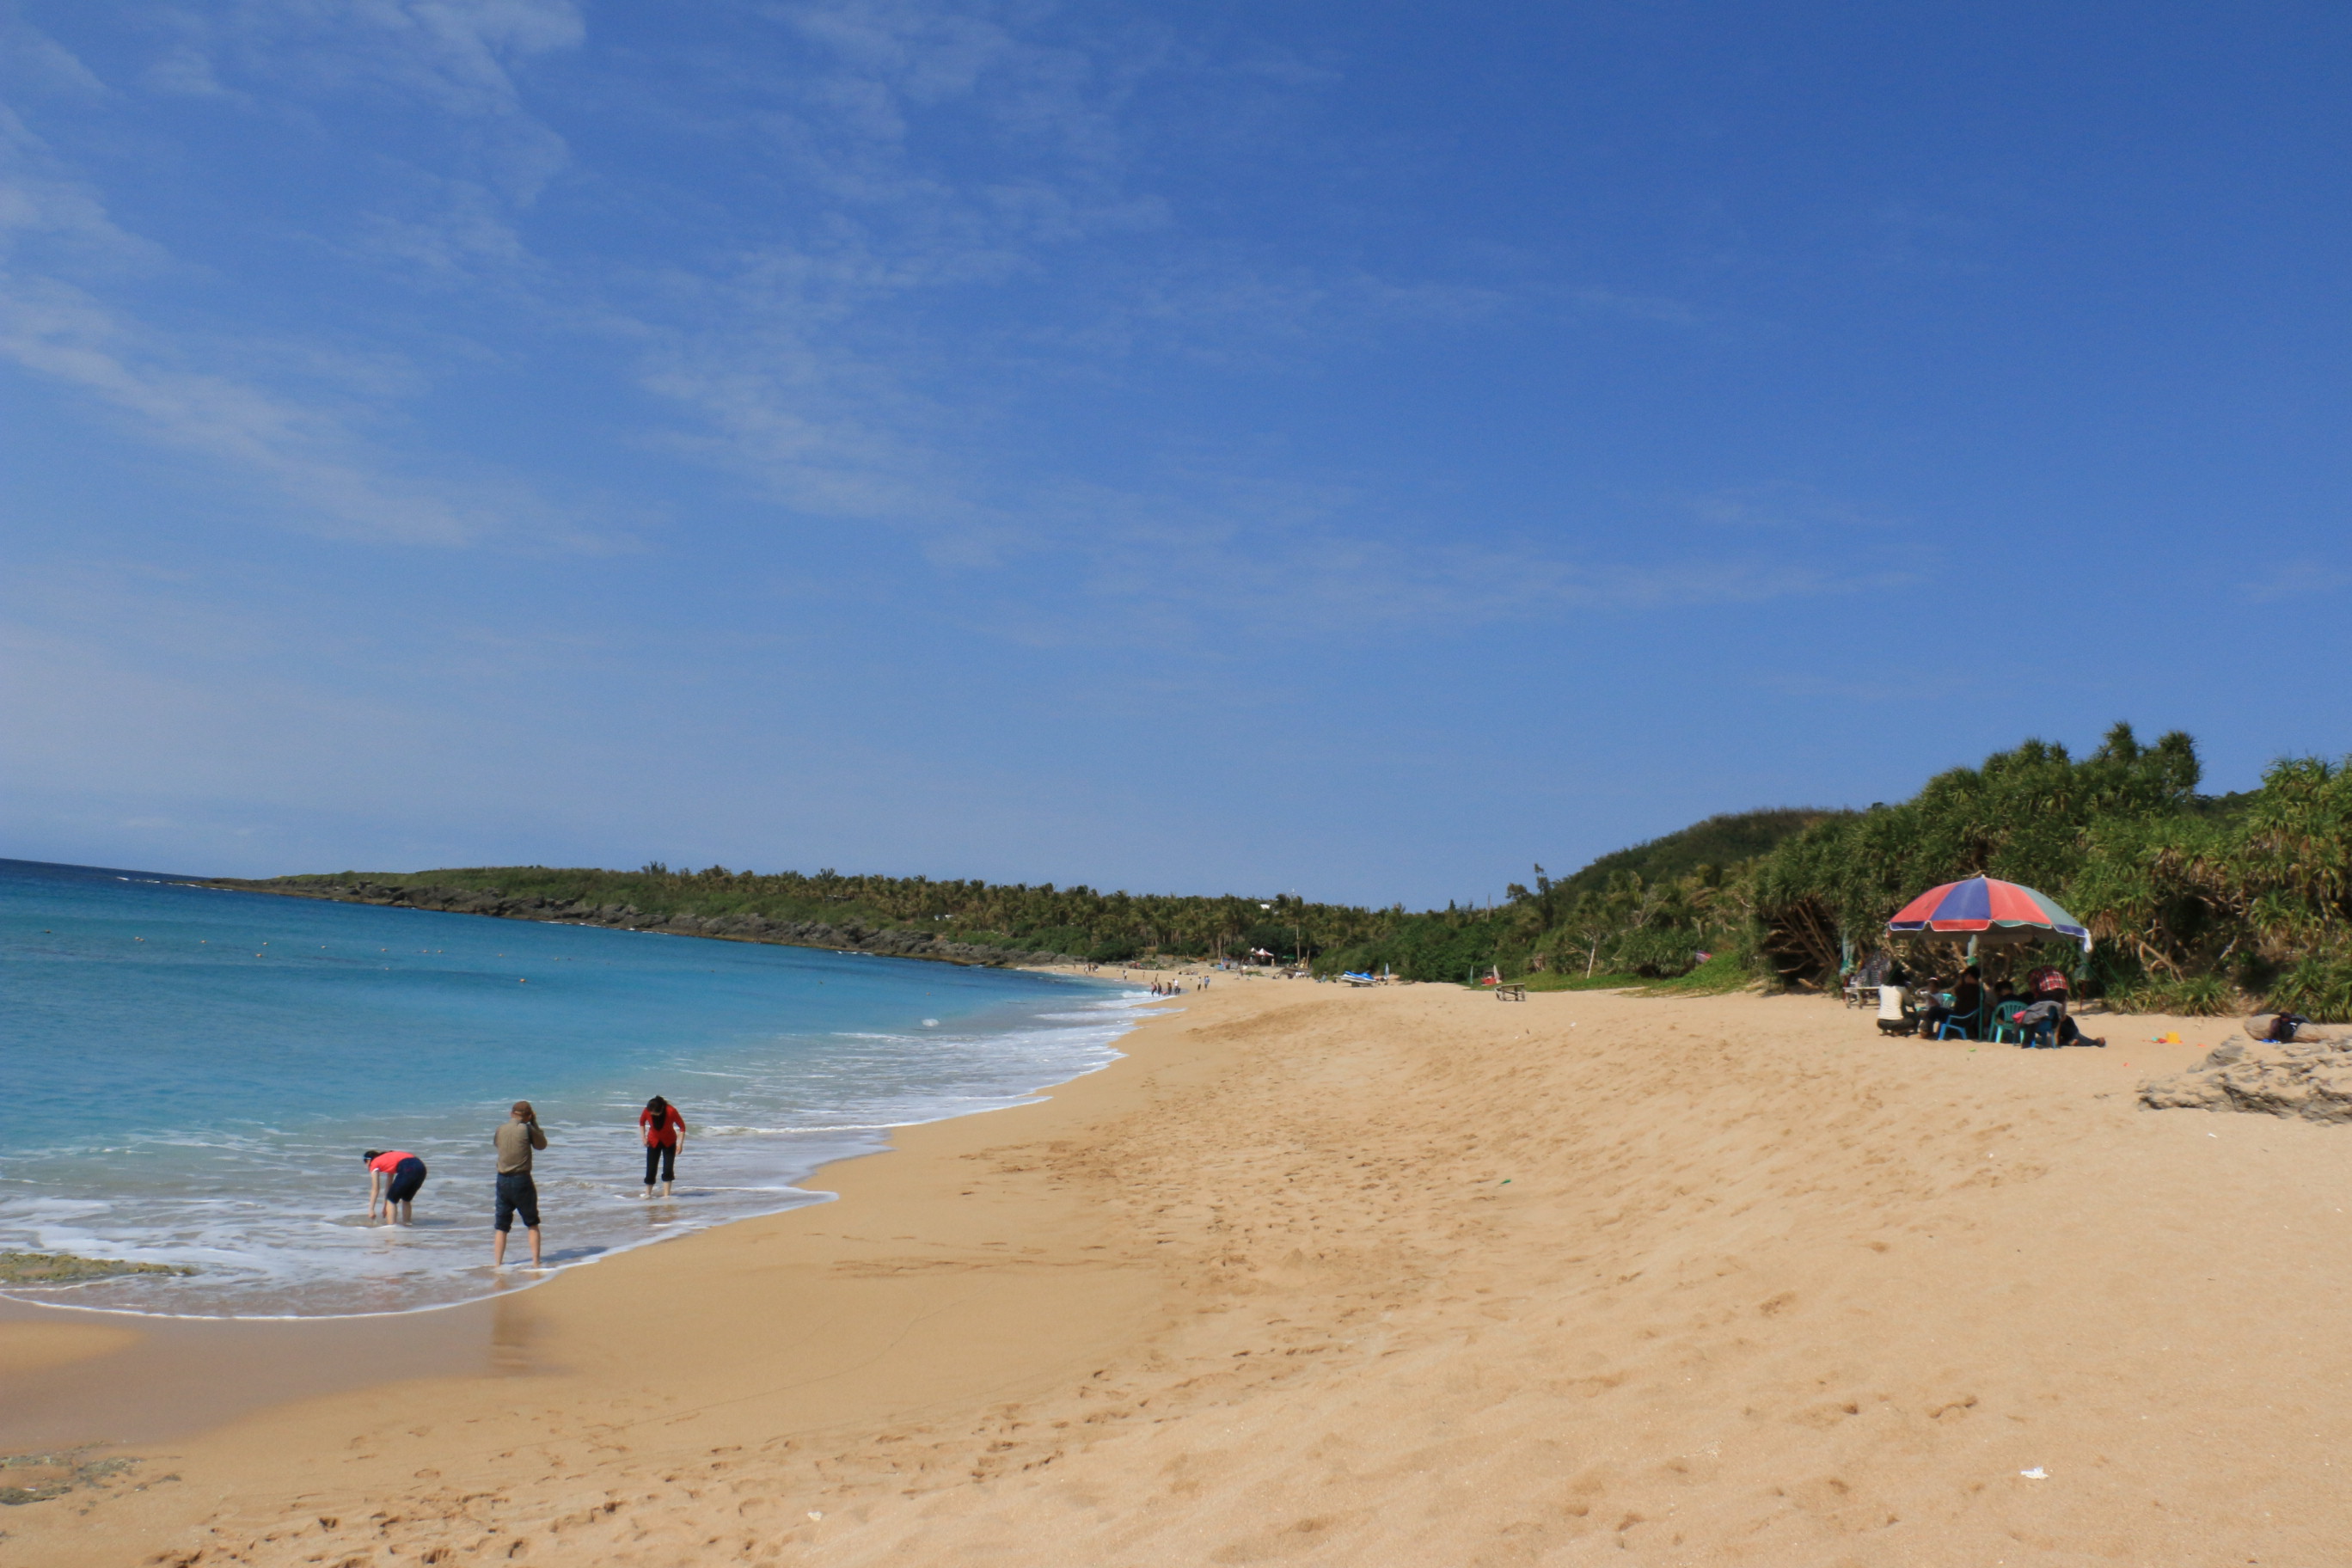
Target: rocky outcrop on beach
[2310, 1078]
[849, 937]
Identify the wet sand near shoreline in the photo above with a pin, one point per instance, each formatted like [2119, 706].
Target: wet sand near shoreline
[69, 1379]
[1403, 1275]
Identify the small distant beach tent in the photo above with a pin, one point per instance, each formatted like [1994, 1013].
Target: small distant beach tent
[1993, 912]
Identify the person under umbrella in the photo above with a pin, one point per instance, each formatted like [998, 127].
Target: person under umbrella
[1968, 1001]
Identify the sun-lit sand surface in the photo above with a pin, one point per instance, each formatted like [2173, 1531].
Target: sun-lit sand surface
[29, 1347]
[1406, 1276]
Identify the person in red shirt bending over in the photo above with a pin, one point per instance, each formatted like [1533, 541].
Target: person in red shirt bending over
[394, 1177]
[664, 1131]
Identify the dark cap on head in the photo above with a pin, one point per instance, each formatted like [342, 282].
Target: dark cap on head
[371, 1154]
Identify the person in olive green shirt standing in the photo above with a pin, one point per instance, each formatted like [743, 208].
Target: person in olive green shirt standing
[518, 1194]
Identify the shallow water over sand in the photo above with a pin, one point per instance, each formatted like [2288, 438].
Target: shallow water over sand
[194, 1073]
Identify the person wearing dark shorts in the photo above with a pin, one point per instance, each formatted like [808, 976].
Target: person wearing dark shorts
[664, 1131]
[394, 1178]
[515, 1139]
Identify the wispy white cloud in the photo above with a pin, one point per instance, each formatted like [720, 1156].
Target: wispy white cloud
[959, 202]
[882, 67]
[1328, 586]
[191, 391]
[32, 58]
[1656, 307]
[475, 153]
[455, 232]
[1912, 237]
[62, 333]
[1781, 506]
[458, 56]
[2307, 578]
[42, 205]
[953, 160]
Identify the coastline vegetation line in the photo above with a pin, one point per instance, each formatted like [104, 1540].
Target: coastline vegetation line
[2201, 904]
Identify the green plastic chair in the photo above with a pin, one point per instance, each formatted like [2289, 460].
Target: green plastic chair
[2004, 1023]
[1963, 1024]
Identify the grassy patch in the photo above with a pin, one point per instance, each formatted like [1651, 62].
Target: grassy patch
[64, 1268]
[1581, 982]
[2197, 996]
[1568, 983]
[1717, 976]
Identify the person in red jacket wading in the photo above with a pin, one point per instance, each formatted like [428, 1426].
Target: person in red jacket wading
[664, 1131]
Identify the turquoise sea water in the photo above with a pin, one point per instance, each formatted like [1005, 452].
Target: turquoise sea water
[191, 1075]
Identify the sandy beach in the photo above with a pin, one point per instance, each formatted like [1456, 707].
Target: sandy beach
[1395, 1276]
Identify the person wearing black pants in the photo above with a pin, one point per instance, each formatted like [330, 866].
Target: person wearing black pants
[664, 1131]
[518, 1193]
[394, 1178]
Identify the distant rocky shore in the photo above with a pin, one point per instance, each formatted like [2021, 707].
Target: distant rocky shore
[850, 937]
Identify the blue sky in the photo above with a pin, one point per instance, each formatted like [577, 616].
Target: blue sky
[1361, 449]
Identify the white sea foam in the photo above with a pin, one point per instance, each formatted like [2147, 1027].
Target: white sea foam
[271, 1217]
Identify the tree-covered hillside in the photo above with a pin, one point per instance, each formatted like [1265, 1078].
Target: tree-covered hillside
[1651, 911]
[1734, 838]
[1653, 904]
[1078, 923]
[2198, 902]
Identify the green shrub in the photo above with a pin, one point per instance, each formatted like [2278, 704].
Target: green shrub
[1546, 981]
[1719, 975]
[2318, 988]
[1653, 953]
[2197, 997]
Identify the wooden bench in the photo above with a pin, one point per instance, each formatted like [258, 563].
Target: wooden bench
[1510, 992]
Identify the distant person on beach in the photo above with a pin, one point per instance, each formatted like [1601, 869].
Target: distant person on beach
[394, 1178]
[664, 1131]
[518, 1193]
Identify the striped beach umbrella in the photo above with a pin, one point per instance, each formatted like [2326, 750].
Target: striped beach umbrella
[1992, 911]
